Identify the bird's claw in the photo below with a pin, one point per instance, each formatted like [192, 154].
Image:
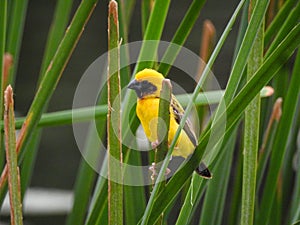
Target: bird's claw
[154, 144]
[154, 172]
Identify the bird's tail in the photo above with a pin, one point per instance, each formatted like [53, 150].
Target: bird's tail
[203, 171]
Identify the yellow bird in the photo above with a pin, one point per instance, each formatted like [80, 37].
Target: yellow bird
[147, 85]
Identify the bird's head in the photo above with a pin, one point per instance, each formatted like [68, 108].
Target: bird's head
[147, 83]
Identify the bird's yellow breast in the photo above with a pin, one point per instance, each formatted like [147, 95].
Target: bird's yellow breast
[147, 112]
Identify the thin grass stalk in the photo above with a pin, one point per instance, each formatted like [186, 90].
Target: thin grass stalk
[123, 24]
[6, 66]
[251, 132]
[242, 56]
[128, 8]
[291, 20]
[84, 183]
[99, 212]
[288, 170]
[8, 63]
[163, 169]
[86, 176]
[270, 13]
[206, 47]
[265, 150]
[161, 174]
[235, 201]
[170, 212]
[67, 117]
[255, 22]
[114, 145]
[276, 214]
[98, 206]
[197, 188]
[233, 112]
[56, 32]
[181, 35]
[279, 19]
[146, 8]
[3, 19]
[281, 82]
[213, 206]
[50, 80]
[83, 187]
[15, 33]
[124, 55]
[280, 144]
[64, 117]
[296, 189]
[57, 29]
[163, 127]
[195, 192]
[135, 197]
[240, 37]
[298, 221]
[216, 197]
[207, 44]
[242, 30]
[153, 32]
[12, 161]
[188, 109]
[28, 163]
[295, 208]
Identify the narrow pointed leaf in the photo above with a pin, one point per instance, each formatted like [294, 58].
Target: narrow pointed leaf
[12, 161]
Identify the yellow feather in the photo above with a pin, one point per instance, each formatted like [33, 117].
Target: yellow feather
[147, 111]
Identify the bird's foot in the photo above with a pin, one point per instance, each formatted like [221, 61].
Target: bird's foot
[152, 168]
[154, 144]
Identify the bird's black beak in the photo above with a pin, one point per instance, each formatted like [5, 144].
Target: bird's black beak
[137, 87]
[134, 84]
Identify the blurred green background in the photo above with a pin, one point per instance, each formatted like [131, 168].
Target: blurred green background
[58, 157]
[58, 151]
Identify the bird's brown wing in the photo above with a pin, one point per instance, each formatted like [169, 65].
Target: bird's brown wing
[178, 113]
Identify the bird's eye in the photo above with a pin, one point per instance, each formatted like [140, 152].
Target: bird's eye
[145, 88]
